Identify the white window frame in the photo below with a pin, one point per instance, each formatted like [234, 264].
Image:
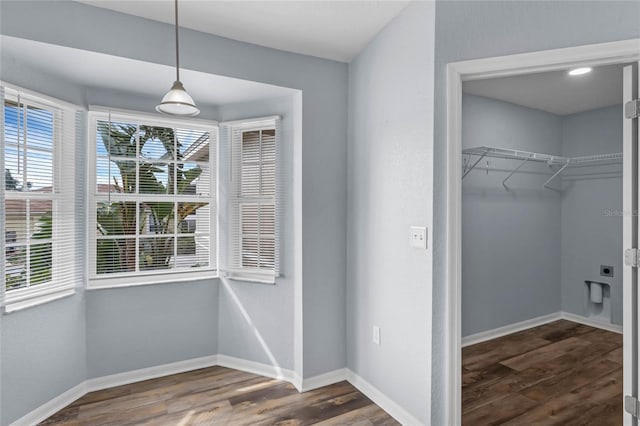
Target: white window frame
[63, 204]
[236, 272]
[129, 279]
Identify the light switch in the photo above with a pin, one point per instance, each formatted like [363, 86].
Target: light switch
[376, 334]
[418, 237]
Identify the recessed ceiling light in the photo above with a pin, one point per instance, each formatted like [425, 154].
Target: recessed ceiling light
[580, 71]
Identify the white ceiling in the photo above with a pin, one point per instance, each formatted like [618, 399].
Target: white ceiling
[555, 91]
[91, 69]
[335, 30]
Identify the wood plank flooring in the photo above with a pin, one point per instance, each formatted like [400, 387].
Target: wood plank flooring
[221, 396]
[561, 373]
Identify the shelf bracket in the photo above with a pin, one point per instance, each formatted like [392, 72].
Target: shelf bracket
[504, 182]
[556, 174]
[474, 165]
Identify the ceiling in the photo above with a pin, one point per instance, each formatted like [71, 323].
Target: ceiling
[555, 92]
[336, 30]
[91, 69]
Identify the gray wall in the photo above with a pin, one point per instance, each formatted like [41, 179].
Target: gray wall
[479, 29]
[43, 355]
[591, 206]
[249, 328]
[510, 238]
[390, 176]
[144, 326]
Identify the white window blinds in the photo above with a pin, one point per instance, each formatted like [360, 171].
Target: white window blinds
[154, 200]
[254, 200]
[38, 197]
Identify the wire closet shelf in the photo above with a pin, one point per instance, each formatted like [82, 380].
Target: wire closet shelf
[526, 156]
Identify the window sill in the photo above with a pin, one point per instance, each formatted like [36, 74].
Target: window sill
[98, 283]
[252, 277]
[18, 300]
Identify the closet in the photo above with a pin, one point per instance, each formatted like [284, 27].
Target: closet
[541, 235]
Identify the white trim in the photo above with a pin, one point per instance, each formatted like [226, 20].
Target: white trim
[325, 379]
[250, 122]
[258, 368]
[48, 100]
[51, 407]
[99, 383]
[38, 299]
[155, 118]
[558, 59]
[382, 400]
[175, 276]
[483, 336]
[591, 322]
[148, 373]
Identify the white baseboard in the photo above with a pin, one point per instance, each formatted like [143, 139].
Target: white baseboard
[535, 322]
[325, 379]
[48, 409]
[382, 400]
[256, 368]
[591, 322]
[483, 336]
[91, 385]
[154, 372]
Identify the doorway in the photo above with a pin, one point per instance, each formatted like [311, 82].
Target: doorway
[522, 181]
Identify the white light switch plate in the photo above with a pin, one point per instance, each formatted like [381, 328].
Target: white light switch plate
[376, 334]
[418, 237]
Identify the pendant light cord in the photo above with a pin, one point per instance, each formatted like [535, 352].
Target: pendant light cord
[177, 45]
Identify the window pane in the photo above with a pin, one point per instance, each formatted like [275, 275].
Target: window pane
[251, 146]
[193, 179]
[41, 262]
[117, 218]
[267, 219]
[156, 217]
[250, 180]
[13, 123]
[193, 145]
[267, 252]
[117, 140]
[116, 176]
[268, 179]
[250, 251]
[269, 145]
[39, 171]
[194, 217]
[115, 255]
[16, 220]
[14, 168]
[156, 253]
[157, 143]
[41, 219]
[39, 128]
[193, 252]
[16, 273]
[154, 178]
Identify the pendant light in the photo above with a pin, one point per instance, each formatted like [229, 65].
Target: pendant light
[177, 101]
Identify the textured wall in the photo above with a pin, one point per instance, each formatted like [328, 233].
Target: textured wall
[390, 181]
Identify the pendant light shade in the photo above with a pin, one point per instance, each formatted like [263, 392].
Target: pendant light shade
[177, 101]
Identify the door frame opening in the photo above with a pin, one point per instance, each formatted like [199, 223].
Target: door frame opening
[617, 52]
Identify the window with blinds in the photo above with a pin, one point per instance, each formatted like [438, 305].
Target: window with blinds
[153, 207]
[37, 192]
[253, 234]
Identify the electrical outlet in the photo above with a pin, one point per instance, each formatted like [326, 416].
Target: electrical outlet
[376, 334]
[418, 237]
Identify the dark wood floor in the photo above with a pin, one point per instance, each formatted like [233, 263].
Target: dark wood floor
[561, 373]
[221, 396]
